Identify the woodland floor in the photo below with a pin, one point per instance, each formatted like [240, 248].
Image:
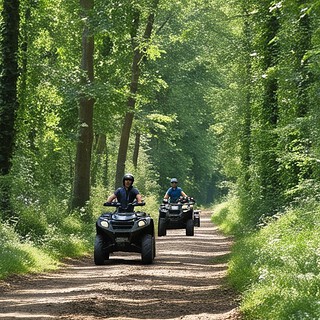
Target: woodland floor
[186, 281]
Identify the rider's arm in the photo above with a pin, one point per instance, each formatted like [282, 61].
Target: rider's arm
[167, 195]
[183, 194]
[111, 198]
[139, 198]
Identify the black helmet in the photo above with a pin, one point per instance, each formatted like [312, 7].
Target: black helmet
[128, 176]
[174, 180]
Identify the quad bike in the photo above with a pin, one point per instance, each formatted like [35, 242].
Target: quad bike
[126, 232]
[178, 215]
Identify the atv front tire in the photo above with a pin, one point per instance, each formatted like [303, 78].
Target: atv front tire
[147, 247]
[100, 251]
[190, 228]
[162, 230]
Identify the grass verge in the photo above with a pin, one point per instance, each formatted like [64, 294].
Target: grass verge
[276, 268]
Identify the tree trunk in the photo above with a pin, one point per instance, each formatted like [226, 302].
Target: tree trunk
[135, 74]
[105, 175]
[81, 190]
[246, 135]
[136, 149]
[270, 114]
[306, 78]
[99, 151]
[8, 96]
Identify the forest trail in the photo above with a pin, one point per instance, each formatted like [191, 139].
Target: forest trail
[184, 282]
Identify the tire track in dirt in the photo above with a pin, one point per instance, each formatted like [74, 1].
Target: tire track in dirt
[183, 283]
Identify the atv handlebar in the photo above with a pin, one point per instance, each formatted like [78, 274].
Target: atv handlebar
[118, 204]
[189, 200]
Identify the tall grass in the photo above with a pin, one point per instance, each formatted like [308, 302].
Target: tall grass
[277, 267]
[41, 235]
[17, 257]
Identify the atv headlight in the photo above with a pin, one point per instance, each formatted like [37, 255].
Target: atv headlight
[142, 223]
[185, 207]
[105, 223]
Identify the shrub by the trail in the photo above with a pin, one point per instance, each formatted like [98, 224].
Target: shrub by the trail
[277, 267]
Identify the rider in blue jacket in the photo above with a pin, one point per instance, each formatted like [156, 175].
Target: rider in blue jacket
[174, 192]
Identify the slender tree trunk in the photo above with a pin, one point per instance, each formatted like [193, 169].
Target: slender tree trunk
[99, 151]
[26, 26]
[304, 44]
[246, 139]
[24, 58]
[105, 175]
[306, 78]
[8, 96]
[270, 114]
[135, 74]
[271, 50]
[81, 190]
[136, 149]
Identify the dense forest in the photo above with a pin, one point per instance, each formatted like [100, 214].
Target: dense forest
[222, 95]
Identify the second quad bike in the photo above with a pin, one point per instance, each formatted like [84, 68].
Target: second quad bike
[126, 232]
[179, 215]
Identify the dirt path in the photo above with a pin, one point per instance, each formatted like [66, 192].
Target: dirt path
[183, 283]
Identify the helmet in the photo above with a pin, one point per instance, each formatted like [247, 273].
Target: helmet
[174, 180]
[128, 176]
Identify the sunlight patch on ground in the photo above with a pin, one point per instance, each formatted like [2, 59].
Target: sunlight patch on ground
[17, 315]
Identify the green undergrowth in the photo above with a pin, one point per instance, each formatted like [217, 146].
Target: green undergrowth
[226, 216]
[21, 257]
[276, 268]
[43, 234]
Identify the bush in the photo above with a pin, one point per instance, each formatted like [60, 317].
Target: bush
[17, 257]
[32, 223]
[226, 215]
[277, 267]
[41, 235]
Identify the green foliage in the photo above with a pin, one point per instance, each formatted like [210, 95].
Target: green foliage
[43, 232]
[17, 257]
[273, 140]
[277, 266]
[32, 223]
[69, 234]
[42, 236]
[145, 175]
[190, 68]
[264, 120]
[225, 215]
[72, 245]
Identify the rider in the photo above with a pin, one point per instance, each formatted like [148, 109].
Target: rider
[126, 194]
[174, 192]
